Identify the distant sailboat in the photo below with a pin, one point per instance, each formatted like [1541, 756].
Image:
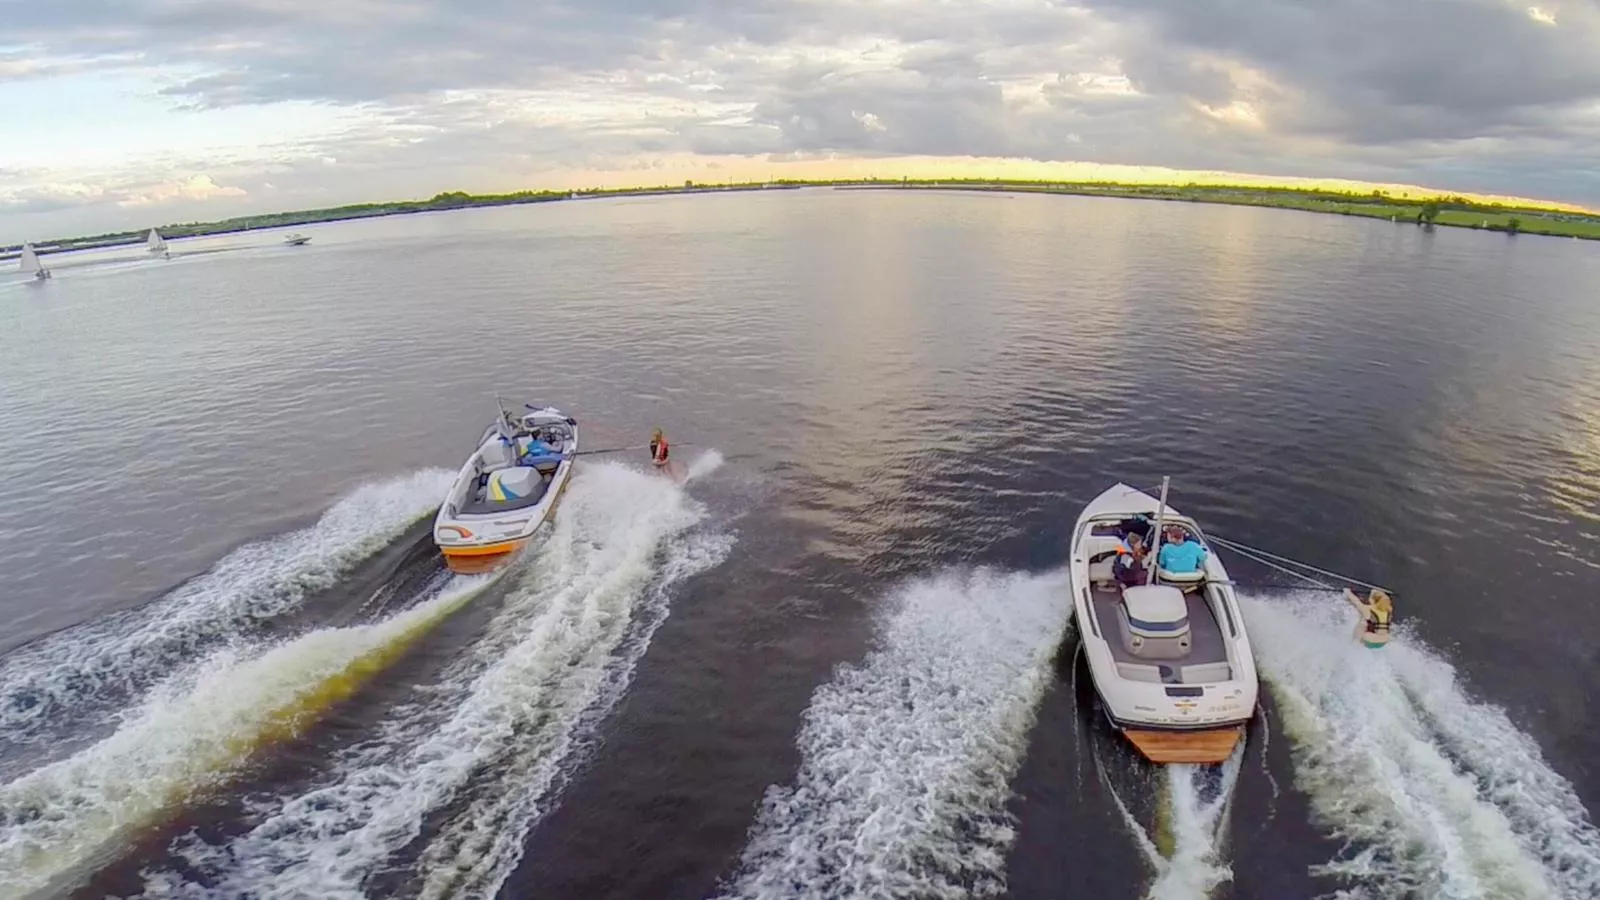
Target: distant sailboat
[32, 265]
[156, 243]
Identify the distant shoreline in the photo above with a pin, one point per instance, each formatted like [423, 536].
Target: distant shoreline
[1450, 211]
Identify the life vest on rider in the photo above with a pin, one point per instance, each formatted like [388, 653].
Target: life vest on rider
[658, 450]
[1377, 621]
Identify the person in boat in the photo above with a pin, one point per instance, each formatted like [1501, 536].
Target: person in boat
[1128, 569]
[658, 448]
[1179, 555]
[1139, 524]
[538, 451]
[1377, 613]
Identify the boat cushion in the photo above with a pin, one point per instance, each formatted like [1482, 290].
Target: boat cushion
[512, 484]
[512, 488]
[1206, 673]
[1194, 577]
[496, 454]
[1157, 608]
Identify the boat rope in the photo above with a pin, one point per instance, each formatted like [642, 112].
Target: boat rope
[1281, 563]
[1273, 560]
[618, 449]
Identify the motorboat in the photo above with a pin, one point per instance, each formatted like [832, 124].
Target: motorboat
[506, 489]
[1167, 651]
[296, 240]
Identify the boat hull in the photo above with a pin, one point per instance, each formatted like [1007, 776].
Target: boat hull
[482, 559]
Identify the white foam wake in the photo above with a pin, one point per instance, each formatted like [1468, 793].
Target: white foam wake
[1187, 850]
[96, 666]
[1439, 794]
[907, 757]
[189, 735]
[503, 728]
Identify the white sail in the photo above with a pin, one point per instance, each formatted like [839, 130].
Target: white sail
[30, 260]
[156, 242]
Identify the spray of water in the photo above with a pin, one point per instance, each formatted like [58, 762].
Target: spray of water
[490, 743]
[190, 735]
[1186, 843]
[907, 757]
[49, 686]
[1438, 795]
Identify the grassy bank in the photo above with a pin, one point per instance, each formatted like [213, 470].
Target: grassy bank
[1452, 211]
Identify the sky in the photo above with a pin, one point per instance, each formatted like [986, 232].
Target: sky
[119, 114]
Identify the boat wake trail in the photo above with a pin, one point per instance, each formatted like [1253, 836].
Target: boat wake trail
[48, 688]
[463, 773]
[1439, 795]
[1190, 829]
[907, 757]
[192, 732]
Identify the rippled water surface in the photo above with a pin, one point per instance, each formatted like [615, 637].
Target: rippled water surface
[836, 661]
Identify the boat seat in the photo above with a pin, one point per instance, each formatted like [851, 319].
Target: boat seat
[1154, 620]
[1205, 673]
[496, 455]
[1188, 581]
[1139, 672]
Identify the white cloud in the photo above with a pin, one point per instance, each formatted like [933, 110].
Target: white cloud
[195, 187]
[365, 100]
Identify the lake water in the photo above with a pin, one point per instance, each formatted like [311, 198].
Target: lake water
[836, 662]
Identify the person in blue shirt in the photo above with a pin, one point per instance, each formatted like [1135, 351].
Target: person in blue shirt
[1179, 555]
[538, 451]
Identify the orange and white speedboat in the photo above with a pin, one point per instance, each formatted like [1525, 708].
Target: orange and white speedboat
[506, 489]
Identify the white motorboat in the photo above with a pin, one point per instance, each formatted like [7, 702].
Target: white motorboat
[297, 240]
[1168, 653]
[506, 489]
[32, 265]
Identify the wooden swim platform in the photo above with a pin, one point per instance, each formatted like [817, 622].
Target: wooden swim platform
[1209, 745]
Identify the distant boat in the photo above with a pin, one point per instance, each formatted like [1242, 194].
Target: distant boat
[296, 240]
[155, 242]
[32, 265]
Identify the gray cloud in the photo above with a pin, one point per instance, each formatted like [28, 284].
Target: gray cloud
[1376, 72]
[1471, 94]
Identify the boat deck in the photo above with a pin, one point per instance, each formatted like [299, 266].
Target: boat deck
[1205, 633]
[1204, 747]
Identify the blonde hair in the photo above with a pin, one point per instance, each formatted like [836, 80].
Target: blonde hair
[1380, 601]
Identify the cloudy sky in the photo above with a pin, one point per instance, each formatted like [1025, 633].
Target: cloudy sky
[129, 113]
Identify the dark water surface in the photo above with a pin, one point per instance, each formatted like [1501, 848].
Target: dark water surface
[837, 661]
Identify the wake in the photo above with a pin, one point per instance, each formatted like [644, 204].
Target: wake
[89, 672]
[1439, 795]
[194, 732]
[469, 768]
[907, 757]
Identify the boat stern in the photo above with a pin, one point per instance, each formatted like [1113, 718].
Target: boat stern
[1203, 746]
[478, 559]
